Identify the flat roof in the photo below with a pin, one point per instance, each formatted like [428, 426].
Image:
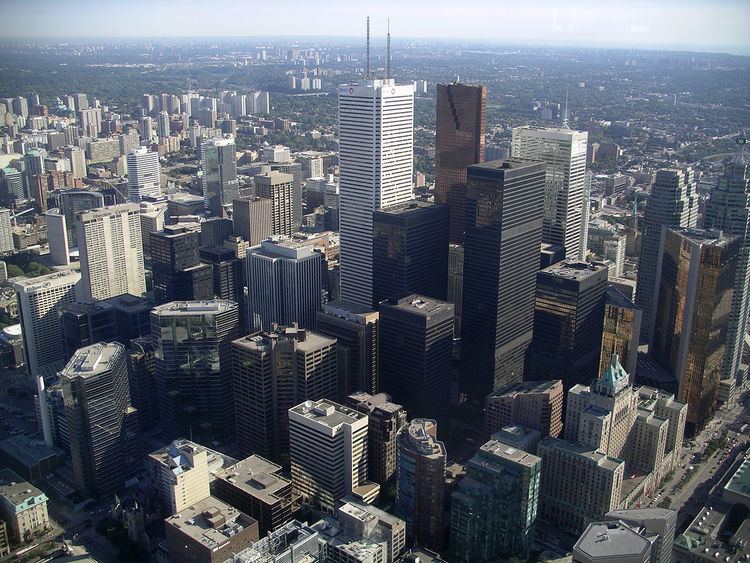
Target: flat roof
[611, 540]
[195, 307]
[328, 413]
[210, 522]
[583, 451]
[527, 387]
[509, 453]
[93, 360]
[27, 451]
[261, 341]
[420, 304]
[574, 269]
[15, 490]
[257, 476]
[739, 482]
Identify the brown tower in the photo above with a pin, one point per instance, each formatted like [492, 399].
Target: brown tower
[461, 113]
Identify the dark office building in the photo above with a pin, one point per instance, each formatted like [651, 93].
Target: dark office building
[416, 350]
[568, 322]
[459, 142]
[175, 262]
[144, 394]
[192, 343]
[132, 316]
[219, 179]
[227, 273]
[215, 231]
[84, 324]
[505, 206]
[410, 250]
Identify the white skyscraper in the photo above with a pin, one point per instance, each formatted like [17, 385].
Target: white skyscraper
[109, 241]
[376, 137]
[39, 302]
[163, 125]
[6, 231]
[143, 174]
[147, 129]
[564, 153]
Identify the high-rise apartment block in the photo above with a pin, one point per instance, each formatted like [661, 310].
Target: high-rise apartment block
[328, 444]
[672, 203]
[219, 174]
[109, 240]
[416, 351]
[192, 342]
[179, 474]
[274, 371]
[253, 219]
[355, 329]
[563, 151]
[568, 317]
[420, 481]
[277, 187]
[410, 250]
[376, 138]
[493, 509]
[621, 331]
[459, 142]
[144, 174]
[533, 404]
[696, 275]
[101, 422]
[501, 258]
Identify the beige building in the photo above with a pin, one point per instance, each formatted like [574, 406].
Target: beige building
[534, 404]
[278, 187]
[22, 506]
[180, 475]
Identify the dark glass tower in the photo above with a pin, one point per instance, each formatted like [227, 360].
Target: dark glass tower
[219, 175]
[505, 201]
[410, 250]
[227, 272]
[175, 262]
[459, 142]
[84, 324]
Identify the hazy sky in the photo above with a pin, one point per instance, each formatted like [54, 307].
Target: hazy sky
[671, 24]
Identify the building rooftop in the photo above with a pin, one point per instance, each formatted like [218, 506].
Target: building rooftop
[195, 307]
[43, 282]
[294, 536]
[283, 246]
[93, 360]
[380, 401]
[328, 413]
[739, 482]
[350, 311]
[420, 434]
[610, 541]
[307, 340]
[709, 237]
[210, 522]
[503, 164]
[177, 456]
[574, 269]
[412, 207]
[509, 453]
[421, 305]
[169, 456]
[18, 492]
[709, 531]
[528, 387]
[615, 297]
[583, 451]
[27, 451]
[257, 476]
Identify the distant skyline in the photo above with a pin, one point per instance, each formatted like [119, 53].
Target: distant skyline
[695, 25]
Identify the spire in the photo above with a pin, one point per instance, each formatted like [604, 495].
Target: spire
[367, 68]
[388, 51]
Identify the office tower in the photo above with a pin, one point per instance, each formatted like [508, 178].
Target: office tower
[284, 283]
[253, 219]
[219, 174]
[277, 187]
[410, 250]
[84, 324]
[585, 217]
[501, 258]
[146, 126]
[12, 183]
[208, 531]
[356, 331]
[163, 125]
[459, 142]
[603, 542]
[376, 121]
[272, 372]
[456, 284]
[6, 231]
[385, 420]
[74, 202]
[672, 203]
[90, 121]
[227, 273]
[144, 393]
[81, 102]
[328, 441]
[657, 525]
[175, 263]
[23, 507]
[152, 221]
[179, 475]
[109, 240]
[568, 322]
[416, 350]
[144, 174]
[578, 485]
[622, 330]
[420, 485]
[192, 342]
[695, 277]
[728, 209]
[564, 153]
[57, 238]
[255, 486]
[77, 159]
[215, 230]
[99, 417]
[20, 106]
[493, 509]
[533, 404]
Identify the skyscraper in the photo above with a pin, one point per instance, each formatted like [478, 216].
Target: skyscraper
[253, 219]
[493, 509]
[284, 283]
[728, 209]
[534, 404]
[175, 263]
[144, 174]
[356, 332]
[501, 258]
[219, 174]
[696, 275]
[564, 153]
[109, 240]
[99, 416]
[163, 126]
[274, 371]
[416, 353]
[228, 282]
[376, 137]
[568, 322]
[84, 324]
[622, 330]
[6, 231]
[459, 142]
[410, 250]
[192, 342]
[672, 203]
[277, 187]
[420, 481]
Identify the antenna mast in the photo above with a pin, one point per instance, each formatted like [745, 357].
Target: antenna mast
[367, 69]
[388, 51]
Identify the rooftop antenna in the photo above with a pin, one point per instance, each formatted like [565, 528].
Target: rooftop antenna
[565, 111]
[388, 51]
[367, 70]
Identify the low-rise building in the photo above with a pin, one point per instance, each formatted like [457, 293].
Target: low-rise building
[22, 506]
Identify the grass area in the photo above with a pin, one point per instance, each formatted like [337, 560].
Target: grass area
[715, 444]
[666, 502]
